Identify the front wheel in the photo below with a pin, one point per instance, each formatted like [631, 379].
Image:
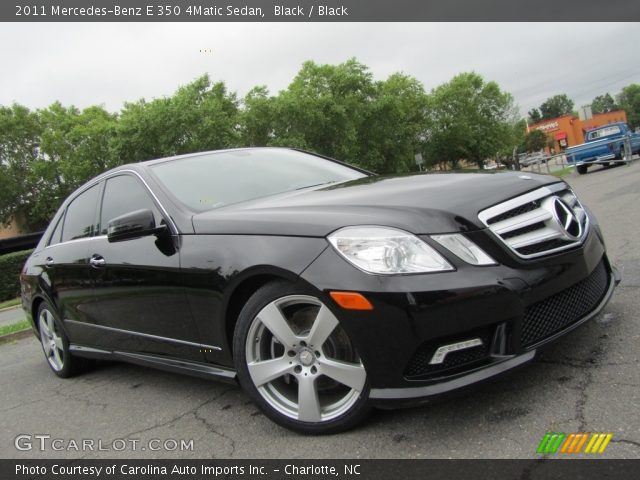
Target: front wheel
[297, 363]
[582, 169]
[623, 157]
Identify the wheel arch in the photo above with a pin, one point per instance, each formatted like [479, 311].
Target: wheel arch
[35, 305]
[244, 287]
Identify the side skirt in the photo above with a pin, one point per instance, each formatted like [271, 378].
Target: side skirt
[187, 367]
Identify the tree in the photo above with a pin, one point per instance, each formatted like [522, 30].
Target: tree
[629, 101]
[534, 115]
[391, 133]
[199, 116]
[556, 106]
[19, 145]
[535, 141]
[258, 117]
[468, 118]
[603, 103]
[323, 109]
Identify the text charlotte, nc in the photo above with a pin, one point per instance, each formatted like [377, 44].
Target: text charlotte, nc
[195, 10]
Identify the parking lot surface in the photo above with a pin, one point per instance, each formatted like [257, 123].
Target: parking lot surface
[589, 381]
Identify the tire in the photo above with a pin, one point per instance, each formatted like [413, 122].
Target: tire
[55, 344]
[622, 156]
[309, 357]
[582, 169]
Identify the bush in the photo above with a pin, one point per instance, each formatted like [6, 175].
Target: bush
[10, 267]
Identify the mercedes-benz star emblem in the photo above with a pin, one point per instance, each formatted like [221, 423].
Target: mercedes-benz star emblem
[566, 218]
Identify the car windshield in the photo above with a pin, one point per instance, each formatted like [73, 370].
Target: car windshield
[204, 182]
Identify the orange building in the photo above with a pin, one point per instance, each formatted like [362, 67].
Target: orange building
[567, 131]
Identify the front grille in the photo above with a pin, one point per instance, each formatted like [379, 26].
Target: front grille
[527, 207]
[419, 365]
[545, 221]
[553, 314]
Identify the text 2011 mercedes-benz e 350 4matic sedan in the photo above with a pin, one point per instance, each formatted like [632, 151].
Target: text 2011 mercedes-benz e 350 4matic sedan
[323, 289]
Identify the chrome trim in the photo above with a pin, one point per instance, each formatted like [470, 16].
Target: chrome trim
[417, 392]
[155, 197]
[146, 335]
[545, 213]
[75, 240]
[102, 178]
[503, 207]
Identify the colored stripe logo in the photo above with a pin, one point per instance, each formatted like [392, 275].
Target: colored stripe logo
[574, 443]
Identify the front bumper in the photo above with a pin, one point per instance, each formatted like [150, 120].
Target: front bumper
[514, 308]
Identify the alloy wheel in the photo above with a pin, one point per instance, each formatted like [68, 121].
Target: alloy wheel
[301, 361]
[51, 340]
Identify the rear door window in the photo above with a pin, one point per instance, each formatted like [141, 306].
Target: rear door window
[80, 220]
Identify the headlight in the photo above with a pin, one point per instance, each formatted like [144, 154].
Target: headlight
[388, 251]
[464, 248]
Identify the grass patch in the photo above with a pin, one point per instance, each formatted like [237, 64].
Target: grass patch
[9, 303]
[15, 327]
[563, 172]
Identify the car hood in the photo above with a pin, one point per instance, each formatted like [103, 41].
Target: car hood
[421, 204]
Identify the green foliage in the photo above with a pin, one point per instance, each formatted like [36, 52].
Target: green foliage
[470, 119]
[10, 267]
[19, 135]
[10, 303]
[199, 116]
[556, 106]
[336, 110]
[534, 115]
[15, 327]
[323, 109]
[393, 123]
[340, 111]
[629, 101]
[603, 103]
[258, 117]
[535, 141]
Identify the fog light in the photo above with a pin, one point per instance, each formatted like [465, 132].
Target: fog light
[445, 350]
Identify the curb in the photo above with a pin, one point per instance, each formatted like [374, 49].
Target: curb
[6, 309]
[16, 336]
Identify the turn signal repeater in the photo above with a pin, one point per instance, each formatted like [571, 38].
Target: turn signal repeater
[351, 300]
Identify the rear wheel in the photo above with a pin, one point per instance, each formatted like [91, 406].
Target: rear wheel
[55, 344]
[582, 169]
[297, 363]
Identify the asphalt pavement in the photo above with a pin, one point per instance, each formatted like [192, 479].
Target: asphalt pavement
[589, 381]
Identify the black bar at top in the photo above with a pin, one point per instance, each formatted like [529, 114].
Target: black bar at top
[321, 11]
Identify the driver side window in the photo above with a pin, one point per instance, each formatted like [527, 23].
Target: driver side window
[124, 194]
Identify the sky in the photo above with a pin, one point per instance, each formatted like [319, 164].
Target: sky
[107, 64]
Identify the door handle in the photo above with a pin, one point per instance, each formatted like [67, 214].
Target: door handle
[97, 261]
[48, 262]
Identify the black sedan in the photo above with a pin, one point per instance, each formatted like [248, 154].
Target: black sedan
[323, 289]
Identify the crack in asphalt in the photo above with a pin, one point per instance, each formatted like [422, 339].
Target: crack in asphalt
[193, 411]
[213, 429]
[23, 404]
[627, 441]
[87, 401]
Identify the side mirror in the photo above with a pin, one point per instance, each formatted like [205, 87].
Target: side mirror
[140, 223]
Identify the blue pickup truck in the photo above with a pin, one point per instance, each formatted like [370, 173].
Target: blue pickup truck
[602, 145]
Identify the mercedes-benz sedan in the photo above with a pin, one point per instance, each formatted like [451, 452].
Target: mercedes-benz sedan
[322, 289]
